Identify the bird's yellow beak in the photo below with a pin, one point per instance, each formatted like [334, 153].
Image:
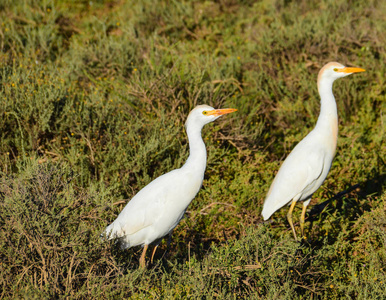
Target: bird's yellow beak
[220, 112]
[351, 70]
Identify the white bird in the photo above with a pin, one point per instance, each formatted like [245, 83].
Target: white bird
[307, 166]
[157, 209]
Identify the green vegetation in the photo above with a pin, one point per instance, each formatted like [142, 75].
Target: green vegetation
[94, 95]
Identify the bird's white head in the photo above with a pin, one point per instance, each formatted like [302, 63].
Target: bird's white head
[204, 114]
[335, 70]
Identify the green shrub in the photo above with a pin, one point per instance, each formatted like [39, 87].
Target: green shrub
[93, 99]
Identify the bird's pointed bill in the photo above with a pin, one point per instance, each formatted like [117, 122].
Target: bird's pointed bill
[351, 70]
[220, 112]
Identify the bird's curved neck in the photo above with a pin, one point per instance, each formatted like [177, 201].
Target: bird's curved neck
[328, 116]
[197, 151]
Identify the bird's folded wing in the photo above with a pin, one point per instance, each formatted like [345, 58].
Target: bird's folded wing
[296, 176]
[165, 197]
[141, 212]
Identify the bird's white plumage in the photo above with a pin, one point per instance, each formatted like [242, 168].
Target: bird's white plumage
[157, 209]
[301, 174]
[307, 166]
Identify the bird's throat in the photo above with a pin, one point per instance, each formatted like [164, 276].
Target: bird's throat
[328, 117]
[197, 152]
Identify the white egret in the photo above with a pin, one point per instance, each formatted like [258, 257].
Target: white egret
[307, 166]
[156, 210]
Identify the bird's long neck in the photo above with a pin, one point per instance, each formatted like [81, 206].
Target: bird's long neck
[328, 117]
[197, 156]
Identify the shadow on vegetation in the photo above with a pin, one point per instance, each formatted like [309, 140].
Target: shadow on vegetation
[354, 205]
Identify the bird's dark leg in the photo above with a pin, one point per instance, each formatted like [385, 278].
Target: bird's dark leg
[168, 244]
[152, 255]
[305, 204]
[169, 240]
[142, 262]
[289, 217]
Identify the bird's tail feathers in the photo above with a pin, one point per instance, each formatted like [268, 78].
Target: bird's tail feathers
[268, 210]
[111, 232]
[267, 213]
[114, 231]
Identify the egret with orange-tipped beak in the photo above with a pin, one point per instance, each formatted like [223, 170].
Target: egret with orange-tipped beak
[307, 166]
[157, 209]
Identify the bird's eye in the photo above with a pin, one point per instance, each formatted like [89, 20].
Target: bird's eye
[336, 69]
[204, 112]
